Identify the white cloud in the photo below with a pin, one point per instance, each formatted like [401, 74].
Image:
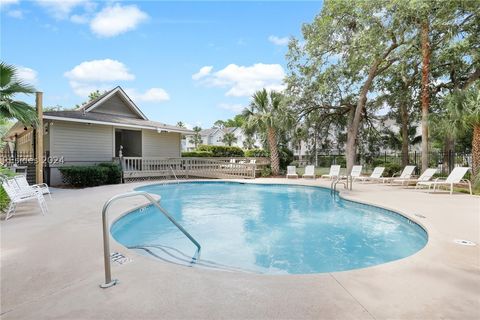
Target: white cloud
[79, 18]
[97, 74]
[117, 19]
[243, 81]
[27, 74]
[151, 95]
[203, 72]
[278, 41]
[237, 108]
[61, 9]
[16, 14]
[8, 2]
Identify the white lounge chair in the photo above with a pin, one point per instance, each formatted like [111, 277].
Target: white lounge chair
[425, 176]
[334, 172]
[376, 175]
[407, 173]
[292, 172]
[454, 178]
[19, 196]
[23, 184]
[309, 172]
[356, 172]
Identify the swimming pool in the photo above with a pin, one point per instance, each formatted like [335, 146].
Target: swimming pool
[267, 228]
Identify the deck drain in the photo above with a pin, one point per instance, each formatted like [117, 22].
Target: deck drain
[119, 258]
[464, 242]
[419, 215]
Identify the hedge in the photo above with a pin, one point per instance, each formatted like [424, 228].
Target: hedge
[197, 154]
[4, 199]
[91, 176]
[256, 153]
[222, 151]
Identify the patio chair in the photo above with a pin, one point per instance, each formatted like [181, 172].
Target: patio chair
[19, 196]
[454, 178]
[23, 184]
[292, 172]
[356, 172]
[309, 172]
[376, 175]
[334, 172]
[425, 176]
[405, 174]
[253, 161]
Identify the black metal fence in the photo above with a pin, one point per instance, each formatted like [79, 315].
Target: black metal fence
[444, 161]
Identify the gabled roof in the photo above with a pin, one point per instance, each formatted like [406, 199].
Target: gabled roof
[91, 105]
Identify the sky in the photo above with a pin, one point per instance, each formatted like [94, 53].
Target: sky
[195, 62]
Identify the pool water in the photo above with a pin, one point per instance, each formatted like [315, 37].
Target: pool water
[274, 229]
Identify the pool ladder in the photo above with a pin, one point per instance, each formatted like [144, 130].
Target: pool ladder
[106, 237]
[347, 183]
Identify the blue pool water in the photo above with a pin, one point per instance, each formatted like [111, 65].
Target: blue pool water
[267, 229]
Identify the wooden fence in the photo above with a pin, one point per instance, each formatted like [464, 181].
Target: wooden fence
[136, 168]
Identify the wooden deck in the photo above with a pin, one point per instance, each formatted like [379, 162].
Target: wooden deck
[140, 168]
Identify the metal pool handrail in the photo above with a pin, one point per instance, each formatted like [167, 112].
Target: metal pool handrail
[348, 184]
[106, 238]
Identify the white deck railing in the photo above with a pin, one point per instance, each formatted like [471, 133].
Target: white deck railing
[220, 168]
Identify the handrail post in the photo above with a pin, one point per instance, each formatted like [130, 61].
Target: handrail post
[106, 237]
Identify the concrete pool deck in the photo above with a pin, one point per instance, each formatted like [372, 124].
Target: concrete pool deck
[51, 267]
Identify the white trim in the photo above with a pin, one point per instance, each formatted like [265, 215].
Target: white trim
[129, 101]
[112, 124]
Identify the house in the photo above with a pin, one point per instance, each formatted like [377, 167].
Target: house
[96, 132]
[214, 137]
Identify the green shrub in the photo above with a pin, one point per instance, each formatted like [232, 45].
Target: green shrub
[391, 169]
[91, 176]
[114, 173]
[256, 153]
[222, 151]
[4, 199]
[197, 154]
[266, 172]
[286, 157]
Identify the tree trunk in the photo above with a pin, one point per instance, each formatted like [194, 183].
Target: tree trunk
[274, 158]
[476, 150]
[425, 91]
[404, 116]
[447, 149]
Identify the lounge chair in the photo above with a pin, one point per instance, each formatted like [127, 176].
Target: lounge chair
[376, 175]
[292, 172]
[454, 178]
[19, 196]
[356, 172]
[23, 184]
[309, 172]
[334, 172]
[426, 176]
[406, 174]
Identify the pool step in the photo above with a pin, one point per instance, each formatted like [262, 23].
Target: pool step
[175, 256]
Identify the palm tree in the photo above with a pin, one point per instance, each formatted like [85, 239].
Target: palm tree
[266, 114]
[196, 139]
[180, 124]
[229, 139]
[10, 85]
[464, 109]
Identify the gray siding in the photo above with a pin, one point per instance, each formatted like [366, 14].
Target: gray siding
[117, 106]
[161, 144]
[80, 142]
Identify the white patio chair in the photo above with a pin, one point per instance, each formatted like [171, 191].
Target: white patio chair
[425, 176]
[454, 178]
[23, 184]
[405, 174]
[309, 172]
[292, 172]
[334, 172]
[355, 173]
[376, 175]
[19, 196]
